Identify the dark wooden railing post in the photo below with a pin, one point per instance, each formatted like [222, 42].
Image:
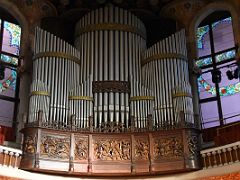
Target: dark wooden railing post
[40, 118]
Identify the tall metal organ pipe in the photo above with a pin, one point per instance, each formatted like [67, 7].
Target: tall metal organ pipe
[110, 41]
[165, 64]
[56, 64]
[111, 78]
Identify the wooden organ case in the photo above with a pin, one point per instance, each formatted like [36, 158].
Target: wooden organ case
[109, 106]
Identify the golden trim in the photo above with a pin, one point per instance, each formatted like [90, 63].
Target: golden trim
[182, 94]
[87, 98]
[163, 56]
[111, 26]
[40, 93]
[57, 54]
[140, 98]
[159, 107]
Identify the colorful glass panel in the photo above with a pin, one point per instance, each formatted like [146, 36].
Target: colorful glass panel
[223, 35]
[8, 84]
[204, 62]
[11, 38]
[225, 56]
[201, 32]
[9, 59]
[223, 91]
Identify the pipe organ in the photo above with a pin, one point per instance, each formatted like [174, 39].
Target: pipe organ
[165, 71]
[110, 82]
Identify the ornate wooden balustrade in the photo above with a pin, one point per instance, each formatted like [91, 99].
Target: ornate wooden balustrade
[110, 153]
[10, 157]
[221, 156]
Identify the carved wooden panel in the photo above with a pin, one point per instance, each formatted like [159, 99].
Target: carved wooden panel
[55, 146]
[141, 149]
[111, 86]
[29, 144]
[112, 149]
[81, 148]
[168, 147]
[193, 145]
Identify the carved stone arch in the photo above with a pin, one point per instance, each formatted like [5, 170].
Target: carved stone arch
[203, 13]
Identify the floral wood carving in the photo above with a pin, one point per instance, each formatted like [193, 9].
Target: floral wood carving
[81, 149]
[30, 144]
[170, 147]
[55, 146]
[117, 149]
[193, 145]
[141, 149]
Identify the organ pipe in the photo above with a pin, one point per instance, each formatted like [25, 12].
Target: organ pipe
[110, 76]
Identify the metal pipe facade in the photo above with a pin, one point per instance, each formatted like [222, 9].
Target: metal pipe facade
[112, 79]
[56, 66]
[166, 65]
[110, 41]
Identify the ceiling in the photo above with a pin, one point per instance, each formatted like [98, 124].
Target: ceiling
[147, 10]
[144, 9]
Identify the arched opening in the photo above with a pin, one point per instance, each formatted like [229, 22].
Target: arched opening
[10, 36]
[218, 84]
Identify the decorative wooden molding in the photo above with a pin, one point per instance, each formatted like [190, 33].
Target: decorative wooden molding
[111, 86]
[111, 27]
[163, 56]
[57, 55]
[112, 154]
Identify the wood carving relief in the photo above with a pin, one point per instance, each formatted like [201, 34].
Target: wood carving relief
[111, 86]
[114, 149]
[30, 144]
[170, 147]
[141, 149]
[193, 145]
[55, 146]
[81, 149]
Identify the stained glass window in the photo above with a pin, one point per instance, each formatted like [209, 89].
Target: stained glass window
[225, 56]
[9, 59]
[204, 62]
[9, 55]
[203, 41]
[11, 38]
[8, 84]
[223, 34]
[215, 42]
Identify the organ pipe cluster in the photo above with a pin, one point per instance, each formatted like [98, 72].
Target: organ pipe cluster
[109, 76]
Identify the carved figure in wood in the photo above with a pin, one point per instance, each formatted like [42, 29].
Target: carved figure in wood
[30, 144]
[81, 149]
[112, 150]
[55, 147]
[171, 147]
[141, 149]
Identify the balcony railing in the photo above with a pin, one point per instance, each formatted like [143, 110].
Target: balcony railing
[10, 157]
[220, 156]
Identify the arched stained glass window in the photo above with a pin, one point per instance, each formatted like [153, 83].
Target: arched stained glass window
[216, 54]
[10, 36]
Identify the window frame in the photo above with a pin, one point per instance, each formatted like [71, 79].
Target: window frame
[14, 99]
[214, 65]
